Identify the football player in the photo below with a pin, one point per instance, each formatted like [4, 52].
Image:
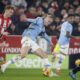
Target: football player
[28, 41]
[62, 46]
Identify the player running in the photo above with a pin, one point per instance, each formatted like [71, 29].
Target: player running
[28, 41]
[62, 46]
[5, 22]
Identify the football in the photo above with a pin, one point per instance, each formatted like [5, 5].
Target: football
[47, 72]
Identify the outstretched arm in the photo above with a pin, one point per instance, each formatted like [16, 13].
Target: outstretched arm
[45, 36]
[23, 18]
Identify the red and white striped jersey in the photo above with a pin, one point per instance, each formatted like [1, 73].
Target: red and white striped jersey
[4, 23]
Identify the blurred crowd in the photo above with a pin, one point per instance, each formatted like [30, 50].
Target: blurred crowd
[60, 9]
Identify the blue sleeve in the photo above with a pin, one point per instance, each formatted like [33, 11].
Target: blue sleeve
[31, 20]
[38, 21]
[69, 28]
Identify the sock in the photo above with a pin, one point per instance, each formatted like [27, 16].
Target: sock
[9, 62]
[13, 60]
[46, 63]
[75, 70]
[59, 62]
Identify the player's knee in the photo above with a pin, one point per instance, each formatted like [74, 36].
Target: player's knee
[41, 53]
[23, 53]
[44, 54]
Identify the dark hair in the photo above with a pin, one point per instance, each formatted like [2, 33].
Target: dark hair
[20, 7]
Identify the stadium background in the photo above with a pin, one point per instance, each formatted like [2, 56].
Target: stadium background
[34, 8]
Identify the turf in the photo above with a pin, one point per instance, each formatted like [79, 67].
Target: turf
[32, 74]
[33, 58]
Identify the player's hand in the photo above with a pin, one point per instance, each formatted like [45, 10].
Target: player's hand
[5, 33]
[23, 18]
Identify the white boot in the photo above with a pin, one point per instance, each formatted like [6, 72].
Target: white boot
[4, 66]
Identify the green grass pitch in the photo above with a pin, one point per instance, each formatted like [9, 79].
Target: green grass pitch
[13, 73]
[32, 74]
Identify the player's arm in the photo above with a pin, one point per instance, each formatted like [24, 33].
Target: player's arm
[69, 35]
[46, 37]
[5, 31]
[23, 18]
[67, 29]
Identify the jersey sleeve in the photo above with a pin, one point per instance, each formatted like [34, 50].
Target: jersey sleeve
[69, 28]
[63, 28]
[31, 20]
[37, 21]
[47, 38]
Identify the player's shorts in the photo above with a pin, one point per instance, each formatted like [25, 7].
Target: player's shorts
[27, 41]
[61, 48]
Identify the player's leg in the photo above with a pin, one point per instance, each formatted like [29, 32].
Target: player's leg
[75, 70]
[61, 53]
[55, 52]
[24, 50]
[39, 52]
[23, 53]
[57, 55]
[60, 59]
[47, 66]
[43, 55]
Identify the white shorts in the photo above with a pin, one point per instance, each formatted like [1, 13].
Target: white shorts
[26, 41]
[61, 48]
[64, 49]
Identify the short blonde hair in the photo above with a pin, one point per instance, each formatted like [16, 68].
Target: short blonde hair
[9, 7]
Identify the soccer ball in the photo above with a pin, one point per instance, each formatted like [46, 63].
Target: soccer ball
[77, 62]
[47, 72]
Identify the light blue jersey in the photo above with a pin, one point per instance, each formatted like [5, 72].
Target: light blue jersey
[36, 27]
[63, 39]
